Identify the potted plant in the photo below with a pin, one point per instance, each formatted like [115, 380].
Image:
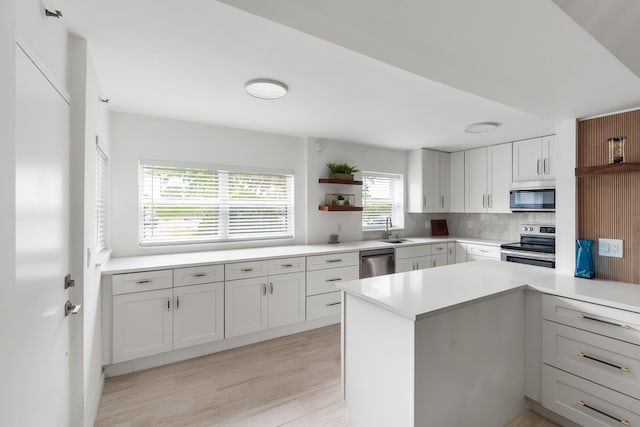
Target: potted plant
[340, 199]
[342, 171]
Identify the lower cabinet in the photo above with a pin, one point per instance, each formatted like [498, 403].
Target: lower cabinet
[142, 324]
[198, 315]
[417, 263]
[259, 303]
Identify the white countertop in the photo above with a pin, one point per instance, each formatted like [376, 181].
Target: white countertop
[423, 293]
[157, 262]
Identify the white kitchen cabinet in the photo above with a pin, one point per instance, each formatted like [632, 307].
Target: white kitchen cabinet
[480, 252]
[323, 281]
[461, 252]
[259, 303]
[438, 260]
[488, 175]
[428, 181]
[142, 324]
[451, 253]
[409, 264]
[198, 314]
[533, 159]
[457, 182]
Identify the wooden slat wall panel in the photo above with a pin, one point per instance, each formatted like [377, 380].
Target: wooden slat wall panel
[608, 206]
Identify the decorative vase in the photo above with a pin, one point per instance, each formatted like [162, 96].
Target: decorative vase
[341, 176]
[584, 259]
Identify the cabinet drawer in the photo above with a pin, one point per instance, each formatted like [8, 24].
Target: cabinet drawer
[413, 251]
[492, 252]
[324, 305]
[245, 270]
[323, 281]
[585, 402]
[612, 363]
[139, 282]
[198, 275]
[319, 262]
[612, 322]
[286, 265]
[439, 248]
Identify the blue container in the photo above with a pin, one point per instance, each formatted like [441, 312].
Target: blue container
[584, 259]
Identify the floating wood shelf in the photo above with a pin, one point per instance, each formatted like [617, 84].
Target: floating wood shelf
[338, 181]
[608, 169]
[340, 208]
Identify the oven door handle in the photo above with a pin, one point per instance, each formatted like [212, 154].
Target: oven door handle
[526, 254]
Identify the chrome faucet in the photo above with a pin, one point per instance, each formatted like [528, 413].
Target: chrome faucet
[387, 227]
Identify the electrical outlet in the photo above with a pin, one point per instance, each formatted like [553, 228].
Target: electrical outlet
[427, 224]
[610, 248]
[469, 224]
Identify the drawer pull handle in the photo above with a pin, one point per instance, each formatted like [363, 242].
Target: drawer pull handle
[246, 270]
[334, 260]
[143, 282]
[620, 420]
[286, 265]
[613, 365]
[595, 319]
[200, 275]
[333, 303]
[439, 248]
[333, 280]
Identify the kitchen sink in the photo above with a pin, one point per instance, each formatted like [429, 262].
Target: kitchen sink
[395, 240]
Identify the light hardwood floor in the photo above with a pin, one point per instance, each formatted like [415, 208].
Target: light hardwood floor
[289, 381]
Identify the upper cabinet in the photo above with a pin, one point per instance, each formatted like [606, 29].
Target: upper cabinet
[533, 159]
[428, 181]
[457, 182]
[487, 177]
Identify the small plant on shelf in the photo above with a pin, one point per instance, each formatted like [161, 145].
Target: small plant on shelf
[341, 199]
[342, 171]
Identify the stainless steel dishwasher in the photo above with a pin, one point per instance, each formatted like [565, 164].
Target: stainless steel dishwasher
[377, 262]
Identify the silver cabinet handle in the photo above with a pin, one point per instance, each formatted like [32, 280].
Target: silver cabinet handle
[620, 420]
[264, 289]
[246, 270]
[337, 279]
[595, 319]
[544, 166]
[538, 167]
[424, 204]
[286, 265]
[177, 303]
[200, 275]
[439, 248]
[143, 282]
[168, 304]
[613, 365]
[442, 201]
[333, 303]
[333, 260]
[484, 202]
[433, 262]
[71, 308]
[489, 201]
[271, 288]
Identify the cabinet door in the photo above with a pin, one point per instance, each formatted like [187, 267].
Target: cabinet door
[431, 181]
[457, 182]
[445, 183]
[198, 315]
[439, 260]
[527, 160]
[475, 188]
[548, 155]
[142, 324]
[406, 264]
[424, 262]
[461, 252]
[245, 306]
[499, 177]
[286, 299]
[451, 253]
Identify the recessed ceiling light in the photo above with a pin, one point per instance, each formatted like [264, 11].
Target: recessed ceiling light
[480, 127]
[266, 88]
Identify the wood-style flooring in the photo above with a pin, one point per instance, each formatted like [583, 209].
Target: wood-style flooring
[289, 381]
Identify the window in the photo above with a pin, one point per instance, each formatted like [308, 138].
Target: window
[101, 199]
[382, 197]
[195, 205]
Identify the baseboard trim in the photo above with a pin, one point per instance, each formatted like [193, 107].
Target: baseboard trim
[93, 415]
[550, 415]
[129, 366]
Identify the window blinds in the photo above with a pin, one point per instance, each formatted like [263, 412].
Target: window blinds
[382, 197]
[192, 204]
[101, 199]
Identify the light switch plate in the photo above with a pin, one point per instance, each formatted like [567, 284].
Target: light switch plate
[610, 248]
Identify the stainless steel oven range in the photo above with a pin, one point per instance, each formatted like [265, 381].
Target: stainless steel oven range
[537, 246]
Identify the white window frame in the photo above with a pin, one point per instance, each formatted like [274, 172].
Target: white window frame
[397, 204]
[223, 172]
[102, 199]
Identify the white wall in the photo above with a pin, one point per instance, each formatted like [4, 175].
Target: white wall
[347, 224]
[7, 213]
[566, 133]
[135, 137]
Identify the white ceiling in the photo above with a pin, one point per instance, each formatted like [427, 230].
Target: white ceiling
[190, 61]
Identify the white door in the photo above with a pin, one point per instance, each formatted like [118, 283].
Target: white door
[457, 182]
[142, 324]
[198, 315]
[42, 249]
[499, 177]
[527, 160]
[548, 157]
[286, 299]
[475, 175]
[245, 306]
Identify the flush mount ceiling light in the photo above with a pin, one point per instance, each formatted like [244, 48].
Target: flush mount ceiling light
[266, 88]
[480, 127]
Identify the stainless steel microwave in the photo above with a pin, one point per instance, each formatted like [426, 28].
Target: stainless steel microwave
[532, 199]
